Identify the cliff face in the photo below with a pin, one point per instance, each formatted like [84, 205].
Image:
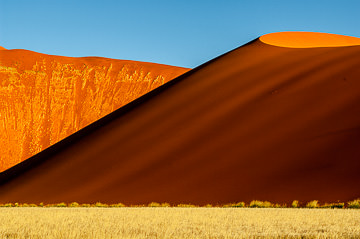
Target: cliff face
[44, 98]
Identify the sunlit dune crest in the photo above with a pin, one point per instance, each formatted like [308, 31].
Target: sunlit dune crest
[308, 39]
[2, 48]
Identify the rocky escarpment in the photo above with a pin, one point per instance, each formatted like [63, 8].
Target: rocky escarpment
[44, 98]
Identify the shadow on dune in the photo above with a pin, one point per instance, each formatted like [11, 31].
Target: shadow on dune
[260, 122]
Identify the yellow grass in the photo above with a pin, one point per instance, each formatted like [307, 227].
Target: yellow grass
[169, 222]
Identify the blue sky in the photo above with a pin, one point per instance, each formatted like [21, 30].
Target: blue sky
[183, 33]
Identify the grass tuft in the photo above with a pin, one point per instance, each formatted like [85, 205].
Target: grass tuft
[313, 204]
[62, 204]
[99, 204]
[354, 204]
[154, 204]
[117, 205]
[295, 204]
[239, 204]
[260, 204]
[334, 205]
[186, 205]
[74, 204]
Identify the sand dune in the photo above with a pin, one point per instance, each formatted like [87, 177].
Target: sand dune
[44, 98]
[260, 122]
[2, 48]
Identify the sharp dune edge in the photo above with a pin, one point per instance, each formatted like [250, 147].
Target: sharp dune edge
[260, 122]
[45, 98]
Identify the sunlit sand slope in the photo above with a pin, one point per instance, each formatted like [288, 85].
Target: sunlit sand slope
[44, 98]
[308, 39]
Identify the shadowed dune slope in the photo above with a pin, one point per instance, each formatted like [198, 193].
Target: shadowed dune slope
[45, 98]
[260, 122]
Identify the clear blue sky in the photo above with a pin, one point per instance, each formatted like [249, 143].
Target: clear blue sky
[183, 32]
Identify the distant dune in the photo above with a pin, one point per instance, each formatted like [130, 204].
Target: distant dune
[45, 98]
[261, 122]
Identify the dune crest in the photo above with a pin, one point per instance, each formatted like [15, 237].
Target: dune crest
[2, 48]
[308, 39]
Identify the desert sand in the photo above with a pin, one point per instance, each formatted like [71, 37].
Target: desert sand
[45, 98]
[261, 122]
[308, 39]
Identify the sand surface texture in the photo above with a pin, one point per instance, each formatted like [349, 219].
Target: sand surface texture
[260, 122]
[44, 98]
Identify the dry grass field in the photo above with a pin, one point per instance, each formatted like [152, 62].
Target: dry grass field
[148, 222]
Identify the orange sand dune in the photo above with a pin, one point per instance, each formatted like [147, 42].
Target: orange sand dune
[308, 39]
[44, 98]
[260, 122]
[2, 48]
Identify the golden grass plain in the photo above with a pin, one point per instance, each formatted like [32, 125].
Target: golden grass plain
[171, 222]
